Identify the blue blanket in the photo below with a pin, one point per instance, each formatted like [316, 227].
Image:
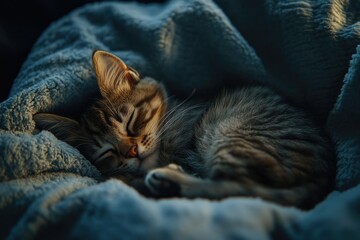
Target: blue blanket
[307, 50]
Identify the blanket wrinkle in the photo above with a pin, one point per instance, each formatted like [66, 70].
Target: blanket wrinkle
[307, 50]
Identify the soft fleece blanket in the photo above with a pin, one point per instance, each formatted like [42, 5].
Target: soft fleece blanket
[307, 50]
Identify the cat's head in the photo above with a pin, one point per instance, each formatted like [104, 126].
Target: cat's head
[120, 131]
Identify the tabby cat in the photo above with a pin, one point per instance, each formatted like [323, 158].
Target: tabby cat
[249, 142]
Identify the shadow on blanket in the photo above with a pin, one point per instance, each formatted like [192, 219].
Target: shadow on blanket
[306, 50]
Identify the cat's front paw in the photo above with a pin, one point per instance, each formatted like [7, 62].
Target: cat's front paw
[162, 182]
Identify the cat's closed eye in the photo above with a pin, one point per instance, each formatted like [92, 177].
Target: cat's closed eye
[105, 150]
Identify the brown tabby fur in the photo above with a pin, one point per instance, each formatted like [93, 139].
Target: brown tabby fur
[249, 142]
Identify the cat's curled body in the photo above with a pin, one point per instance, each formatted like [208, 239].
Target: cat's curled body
[248, 142]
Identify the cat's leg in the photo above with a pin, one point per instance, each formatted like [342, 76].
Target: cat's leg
[171, 181]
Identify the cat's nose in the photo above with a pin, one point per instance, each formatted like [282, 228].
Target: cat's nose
[133, 152]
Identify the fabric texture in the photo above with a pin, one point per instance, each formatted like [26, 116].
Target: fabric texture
[306, 50]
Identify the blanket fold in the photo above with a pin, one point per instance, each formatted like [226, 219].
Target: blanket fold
[306, 50]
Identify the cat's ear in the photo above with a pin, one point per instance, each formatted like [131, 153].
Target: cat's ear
[65, 129]
[112, 74]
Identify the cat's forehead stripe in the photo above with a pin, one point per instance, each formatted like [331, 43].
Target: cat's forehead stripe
[130, 125]
[141, 120]
[146, 99]
[152, 113]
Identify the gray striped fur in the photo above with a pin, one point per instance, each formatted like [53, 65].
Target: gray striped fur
[249, 142]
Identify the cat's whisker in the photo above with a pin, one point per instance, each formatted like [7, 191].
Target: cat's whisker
[168, 98]
[110, 172]
[172, 120]
[176, 107]
[168, 114]
[113, 171]
[83, 144]
[179, 115]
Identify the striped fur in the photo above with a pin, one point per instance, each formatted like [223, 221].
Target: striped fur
[249, 142]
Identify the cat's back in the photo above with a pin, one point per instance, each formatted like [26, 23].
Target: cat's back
[255, 108]
[251, 106]
[256, 122]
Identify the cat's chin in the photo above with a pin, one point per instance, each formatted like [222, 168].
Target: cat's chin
[149, 162]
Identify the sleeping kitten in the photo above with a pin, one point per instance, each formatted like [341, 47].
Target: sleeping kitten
[249, 142]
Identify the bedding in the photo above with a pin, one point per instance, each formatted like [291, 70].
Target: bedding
[309, 51]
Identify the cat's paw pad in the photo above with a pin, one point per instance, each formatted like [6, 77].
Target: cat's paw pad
[160, 184]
